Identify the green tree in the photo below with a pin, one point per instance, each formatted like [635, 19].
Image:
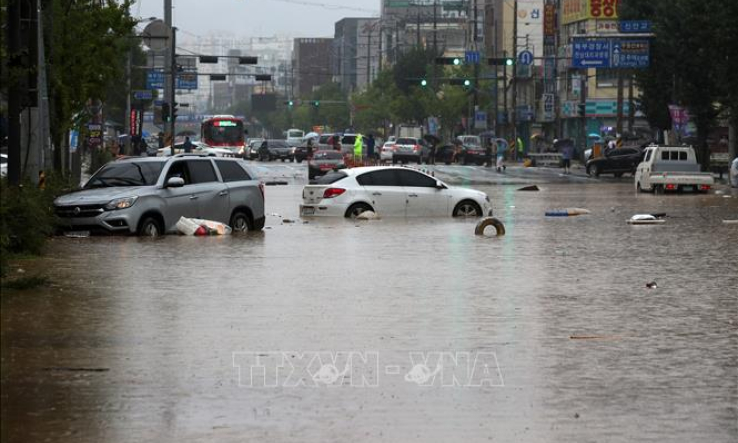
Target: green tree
[86, 46]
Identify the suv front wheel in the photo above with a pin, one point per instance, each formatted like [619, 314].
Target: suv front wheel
[150, 227]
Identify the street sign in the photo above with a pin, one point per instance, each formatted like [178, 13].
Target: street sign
[525, 58]
[185, 80]
[143, 94]
[592, 53]
[635, 26]
[154, 79]
[548, 104]
[156, 35]
[480, 120]
[471, 57]
[610, 53]
[630, 53]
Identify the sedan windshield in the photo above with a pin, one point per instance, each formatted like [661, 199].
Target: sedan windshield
[126, 174]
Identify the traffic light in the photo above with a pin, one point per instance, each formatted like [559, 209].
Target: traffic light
[175, 108]
[501, 61]
[465, 82]
[581, 109]
[316, 103]
[289, 103]
[448, 61]
[423, 82]
[165, 112]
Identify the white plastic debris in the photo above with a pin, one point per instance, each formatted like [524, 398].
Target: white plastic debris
[367, 215]
[196, 226]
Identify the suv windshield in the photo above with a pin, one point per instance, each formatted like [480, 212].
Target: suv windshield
[126, 174]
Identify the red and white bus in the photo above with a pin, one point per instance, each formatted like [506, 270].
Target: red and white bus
[223, 131]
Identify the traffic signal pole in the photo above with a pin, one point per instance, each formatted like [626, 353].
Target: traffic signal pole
[513, 114]
[172, 87]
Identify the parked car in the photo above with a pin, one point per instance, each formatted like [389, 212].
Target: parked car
[671, 168]
[148, 195]
[410, 149]
[615, 161]
[178, 149]
[3, 165]
[734, 173]
[252, 149]
[276, 149]
[445, 154]
[325, 141]
[389, 191]
[388, 150]
[323, 162]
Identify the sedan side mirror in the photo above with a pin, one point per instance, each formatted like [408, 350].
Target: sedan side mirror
[175, 182]
[440, 185]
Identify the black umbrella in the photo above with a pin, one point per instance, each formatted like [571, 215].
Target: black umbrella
[432, 139]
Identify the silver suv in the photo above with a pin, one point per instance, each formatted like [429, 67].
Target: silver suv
[148, 195]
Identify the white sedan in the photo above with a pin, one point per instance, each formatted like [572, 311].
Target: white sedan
[388, 149]
[734, 173]
[390, 191]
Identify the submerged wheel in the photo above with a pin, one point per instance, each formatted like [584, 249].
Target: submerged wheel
[490, 221]
[357, 208]
[240, 222]
[467, 208]
[150, 227]
[593, 171]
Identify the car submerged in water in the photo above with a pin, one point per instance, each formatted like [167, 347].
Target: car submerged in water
[390, 191]
[148, 195]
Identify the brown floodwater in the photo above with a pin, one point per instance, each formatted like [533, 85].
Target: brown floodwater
[149, 340]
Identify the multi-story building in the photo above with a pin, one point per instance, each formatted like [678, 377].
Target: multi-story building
[355, 52]
[312, 60]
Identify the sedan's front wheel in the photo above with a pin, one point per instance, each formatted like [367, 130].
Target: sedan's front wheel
[467, 208]
[150, 227]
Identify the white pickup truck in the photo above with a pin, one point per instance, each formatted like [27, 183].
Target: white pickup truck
[671, 168]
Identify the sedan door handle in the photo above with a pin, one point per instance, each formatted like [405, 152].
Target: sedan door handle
[223, 193]
[412, 195]
[194, 197]
[376, 193]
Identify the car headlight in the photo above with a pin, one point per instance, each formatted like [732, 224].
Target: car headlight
[121, 203]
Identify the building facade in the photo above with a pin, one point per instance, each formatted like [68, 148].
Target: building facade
[312, 63]
[356, 52]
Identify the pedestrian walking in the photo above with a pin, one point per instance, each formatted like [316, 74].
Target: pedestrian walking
[501, 150]
[310, 148]
[187, 146]
[488, 153]
[566, 153]
[160, 140]
[370, 148]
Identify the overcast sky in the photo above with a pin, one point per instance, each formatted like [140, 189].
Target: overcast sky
[259, 18]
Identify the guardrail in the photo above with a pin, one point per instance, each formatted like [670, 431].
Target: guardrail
[546, 159]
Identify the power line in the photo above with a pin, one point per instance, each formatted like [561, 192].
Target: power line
[329, 6]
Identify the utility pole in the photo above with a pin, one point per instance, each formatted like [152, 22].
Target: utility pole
[127, 149]
[513, 114]
[631, 105]
[369, 57]
[168, 63]
[172, 86]
[504, 94]
[417, 30]
[14, 93]
[476, 67]
[583, 101]
[619, 121]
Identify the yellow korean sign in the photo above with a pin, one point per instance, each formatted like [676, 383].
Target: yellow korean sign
[578, 10]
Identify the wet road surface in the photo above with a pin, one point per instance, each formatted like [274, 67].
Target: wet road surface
[148, 340]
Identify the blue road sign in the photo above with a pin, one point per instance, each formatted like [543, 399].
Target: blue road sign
[158, 102]
[525, 58]
[635, 26]
[185, 80]
[155, 79]
[630, 53]
[592, 53]
[143, 94]
[472, 57]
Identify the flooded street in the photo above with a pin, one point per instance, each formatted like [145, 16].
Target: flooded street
[150, 340]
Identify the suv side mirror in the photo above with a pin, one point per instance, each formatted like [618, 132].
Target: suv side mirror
[175, 182]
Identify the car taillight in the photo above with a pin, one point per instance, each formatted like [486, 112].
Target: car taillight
[671, 187]
[333, 192]
[416, 147]
[704, 187]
